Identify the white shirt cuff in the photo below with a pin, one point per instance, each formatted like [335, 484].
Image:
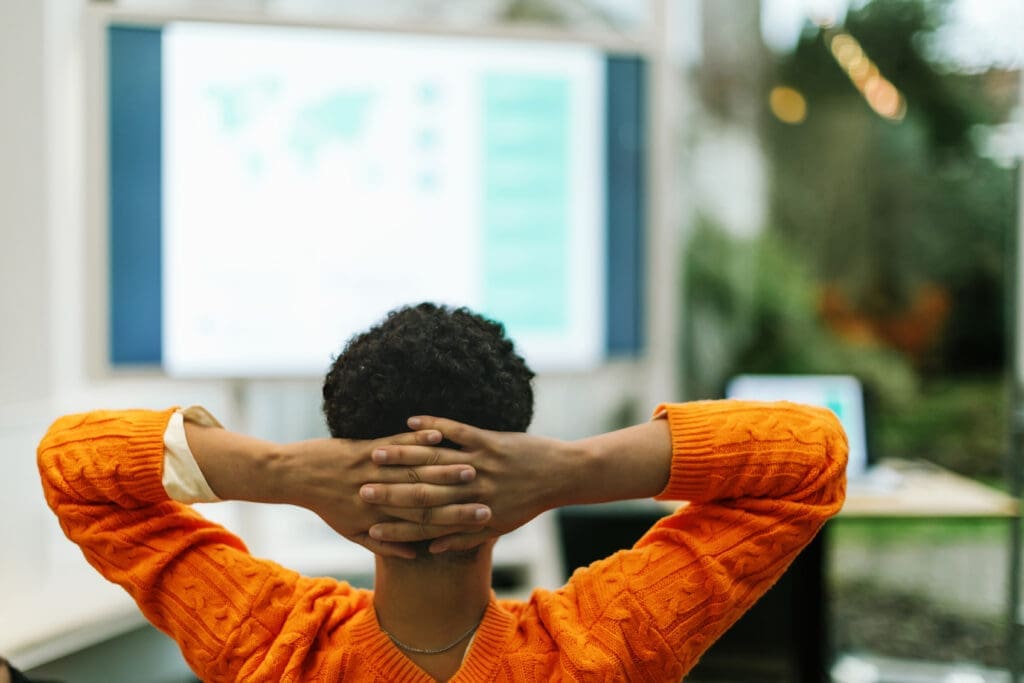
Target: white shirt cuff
[182, 479]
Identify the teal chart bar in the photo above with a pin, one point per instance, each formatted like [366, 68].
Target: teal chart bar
[526, 201]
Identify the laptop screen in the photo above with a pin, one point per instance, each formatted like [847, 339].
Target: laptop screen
[842, 394]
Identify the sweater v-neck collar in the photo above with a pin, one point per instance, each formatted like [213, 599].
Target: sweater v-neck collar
[480, 663]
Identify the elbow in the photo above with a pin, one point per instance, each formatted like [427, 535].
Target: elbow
[831, 476]
[60, 432]
[51, 452]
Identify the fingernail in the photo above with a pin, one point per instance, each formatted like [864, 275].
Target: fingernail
[368, 493]
[375, 533]
[415, 422]
[380, 456]
[434, 437]
[482, 514]
[438, 548]
[467, 475]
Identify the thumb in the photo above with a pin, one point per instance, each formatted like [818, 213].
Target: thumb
[386, 548]
[466, 541]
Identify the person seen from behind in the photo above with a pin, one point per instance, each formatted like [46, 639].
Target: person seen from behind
[429, 464]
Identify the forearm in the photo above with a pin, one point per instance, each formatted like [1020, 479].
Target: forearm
[239, 467]
[628, 463]
[709, 451]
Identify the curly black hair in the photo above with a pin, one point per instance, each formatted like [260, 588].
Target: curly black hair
[427, 360]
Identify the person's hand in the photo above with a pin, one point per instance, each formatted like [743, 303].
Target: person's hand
[325, 476]
[518, 476]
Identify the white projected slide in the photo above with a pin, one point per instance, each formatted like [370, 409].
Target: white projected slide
[315, 179]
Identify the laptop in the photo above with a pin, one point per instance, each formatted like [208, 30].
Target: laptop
[842, 394]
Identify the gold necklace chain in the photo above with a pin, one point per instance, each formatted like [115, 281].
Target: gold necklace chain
[438, 650]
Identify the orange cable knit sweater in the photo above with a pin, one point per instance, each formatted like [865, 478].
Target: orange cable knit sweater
[761, 480]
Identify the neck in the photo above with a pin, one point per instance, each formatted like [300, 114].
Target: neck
[428, 602]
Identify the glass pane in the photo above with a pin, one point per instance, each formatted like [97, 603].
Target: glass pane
[883, 250]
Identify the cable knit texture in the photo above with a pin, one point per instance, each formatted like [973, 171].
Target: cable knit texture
[761, 480]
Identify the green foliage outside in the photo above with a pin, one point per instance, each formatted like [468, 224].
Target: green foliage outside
[885, 251]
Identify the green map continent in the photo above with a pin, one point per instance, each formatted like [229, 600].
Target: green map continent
[340, 117]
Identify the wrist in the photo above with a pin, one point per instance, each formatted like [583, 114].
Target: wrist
[256, 476]
[625, 464]
[572, 463]
[275, 474]
[235, 466]
[594, 477]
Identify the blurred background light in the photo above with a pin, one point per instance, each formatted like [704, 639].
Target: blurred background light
[787, 104]
[881, 95]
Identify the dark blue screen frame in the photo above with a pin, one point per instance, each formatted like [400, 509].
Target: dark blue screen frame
[625, 197]
[136, 194]
[136, 198]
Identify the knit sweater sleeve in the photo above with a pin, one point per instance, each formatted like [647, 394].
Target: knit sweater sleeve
[233, 616]
[760, 481]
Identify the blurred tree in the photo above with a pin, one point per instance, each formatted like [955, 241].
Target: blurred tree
[752, 310]
[904, 222]
[884, 252]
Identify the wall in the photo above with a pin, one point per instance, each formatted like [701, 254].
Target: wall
[23, 361]
[25, 373]
[45, 303]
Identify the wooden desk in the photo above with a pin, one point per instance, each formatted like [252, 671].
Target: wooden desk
[921, 490]
[927, 491]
